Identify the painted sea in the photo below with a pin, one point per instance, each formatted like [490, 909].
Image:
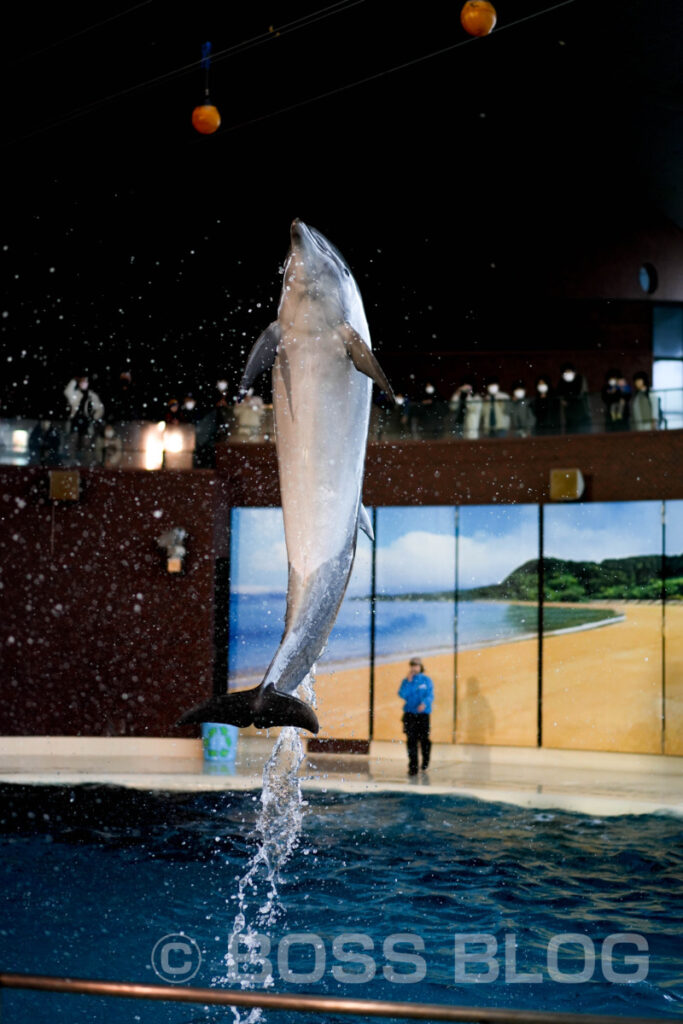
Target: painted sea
[403, 627]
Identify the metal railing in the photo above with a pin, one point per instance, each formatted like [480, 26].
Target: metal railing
[143, 444]
[299, 1003]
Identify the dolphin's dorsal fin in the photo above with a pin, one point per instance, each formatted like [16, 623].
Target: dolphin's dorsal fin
[262, 355]
[364, 522]
[363, 359]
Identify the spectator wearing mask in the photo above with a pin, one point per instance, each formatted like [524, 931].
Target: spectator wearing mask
[85, 410]
[122, 405]
[249, 415]
[433, 412]
[495, 418]
[615, 398]
[108, 447]
[522, 419]
[546, 409]
[645, 407]
[572, 391]
[173, 416]
[44, 444]
[465, 408]
[190, 412]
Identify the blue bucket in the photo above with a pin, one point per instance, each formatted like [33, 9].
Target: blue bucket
[219, 742]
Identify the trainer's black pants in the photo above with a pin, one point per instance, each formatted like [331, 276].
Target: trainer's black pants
[416, 728]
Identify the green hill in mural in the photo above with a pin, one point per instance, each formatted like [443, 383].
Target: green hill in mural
[635, 578]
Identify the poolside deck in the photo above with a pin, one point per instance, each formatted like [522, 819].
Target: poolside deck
[591, 783]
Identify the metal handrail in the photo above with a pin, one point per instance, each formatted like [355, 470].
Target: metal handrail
[308, 1004]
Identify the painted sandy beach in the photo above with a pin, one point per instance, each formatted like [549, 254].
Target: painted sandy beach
[602, 689]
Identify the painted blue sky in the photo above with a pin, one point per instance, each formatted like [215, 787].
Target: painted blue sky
[595, 531]
[258, 556]
[416, 546]
[674, 527]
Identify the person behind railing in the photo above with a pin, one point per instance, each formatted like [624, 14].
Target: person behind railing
[432, 412]
[213, 427]
[393, 422]
[465, 408]
[615, 398]
[545, 406]
[572, 391]
[249, 414]
[190, 411]
[108, 447]
[424, 413]
[495, 418]
[44, 444]
[522, 419]
[123, 405]
[413, 412]
[386, 415]
[223, 409]
[173, 415]
[645, 407]
[85, 409]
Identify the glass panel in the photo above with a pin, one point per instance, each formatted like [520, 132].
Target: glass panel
[258, 587]
[667, 332]
[257, 613]
[343, 681]
[667, 375]
[673, 630]
[668, 383]
[415, 612]
[602, 652]
[498, 625]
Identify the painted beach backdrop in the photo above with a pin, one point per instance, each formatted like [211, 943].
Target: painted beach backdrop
[603, 620]
[403, 627]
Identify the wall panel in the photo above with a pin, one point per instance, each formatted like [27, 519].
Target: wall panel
[602, 674]
[497, 625]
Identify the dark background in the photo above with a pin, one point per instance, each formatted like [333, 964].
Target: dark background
[453, 186]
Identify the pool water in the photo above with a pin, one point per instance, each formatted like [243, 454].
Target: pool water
[93, 878]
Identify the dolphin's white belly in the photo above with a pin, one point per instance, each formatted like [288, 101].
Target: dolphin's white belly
[322, 383]
[322, 407]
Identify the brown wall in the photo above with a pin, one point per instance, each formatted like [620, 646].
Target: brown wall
[624, 467]
[97, 638]
[606, 262]
[82, 653]
[516, 342]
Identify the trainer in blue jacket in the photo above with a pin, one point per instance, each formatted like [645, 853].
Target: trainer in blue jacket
[417, 691]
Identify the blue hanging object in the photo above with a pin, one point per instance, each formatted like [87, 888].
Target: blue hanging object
[206, 55]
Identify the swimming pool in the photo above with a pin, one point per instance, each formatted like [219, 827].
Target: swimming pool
[94, 878]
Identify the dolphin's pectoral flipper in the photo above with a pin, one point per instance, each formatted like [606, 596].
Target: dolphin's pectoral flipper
[261, 706]
[364, 360]
[262, 355]
[286, 373]
[364, 522]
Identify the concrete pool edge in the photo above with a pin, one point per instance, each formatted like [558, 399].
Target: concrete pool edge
[595, 783]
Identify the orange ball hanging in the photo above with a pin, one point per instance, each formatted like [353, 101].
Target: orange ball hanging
[206, 119]
[478, 17]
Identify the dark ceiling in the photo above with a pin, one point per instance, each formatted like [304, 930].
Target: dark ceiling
[433, 160]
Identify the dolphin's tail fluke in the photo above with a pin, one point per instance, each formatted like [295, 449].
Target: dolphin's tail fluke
[260, 706]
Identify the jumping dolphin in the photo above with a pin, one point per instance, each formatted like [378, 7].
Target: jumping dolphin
[323, 368]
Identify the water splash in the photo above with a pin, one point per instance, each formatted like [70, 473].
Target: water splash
[277, 832]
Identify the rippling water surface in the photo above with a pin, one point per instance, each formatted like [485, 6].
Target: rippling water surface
[92, 878]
